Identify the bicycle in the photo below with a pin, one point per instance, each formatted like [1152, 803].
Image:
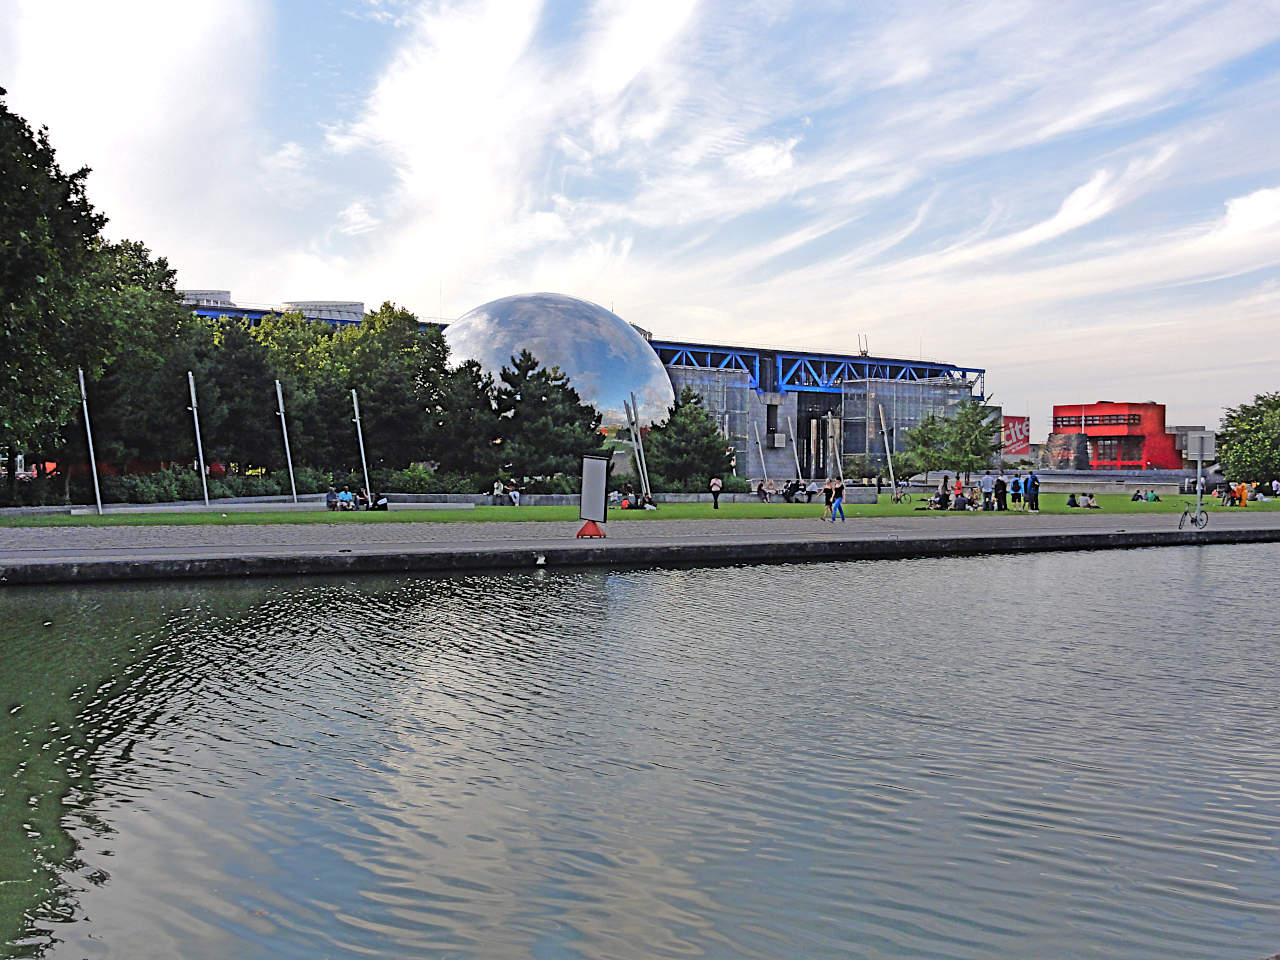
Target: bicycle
[1199, 518]
[900, 496]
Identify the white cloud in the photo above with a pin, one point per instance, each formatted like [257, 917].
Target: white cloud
[1003, 181]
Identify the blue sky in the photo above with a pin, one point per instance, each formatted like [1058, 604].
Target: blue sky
[1082, 198]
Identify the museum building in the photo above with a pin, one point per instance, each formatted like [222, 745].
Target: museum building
[786, 412]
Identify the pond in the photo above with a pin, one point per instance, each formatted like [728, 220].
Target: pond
[1068, 754]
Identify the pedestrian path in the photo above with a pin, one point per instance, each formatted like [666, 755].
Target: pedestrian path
[69, 554]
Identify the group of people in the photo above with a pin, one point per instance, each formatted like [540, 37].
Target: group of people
[997, 492]
[344, 499]
[1239, 494]
[1084, 501]
[1150, 497]
[506, 491]
[627, 499]
[790, 492]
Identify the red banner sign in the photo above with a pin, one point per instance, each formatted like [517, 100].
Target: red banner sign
[1017, 436]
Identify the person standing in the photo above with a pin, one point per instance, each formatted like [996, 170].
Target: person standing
[828, 492]
[1002, 492]
[715, 493]
[837, 500]
[988, 484]
[1033, 492]
[1015, 491]
[957, 489]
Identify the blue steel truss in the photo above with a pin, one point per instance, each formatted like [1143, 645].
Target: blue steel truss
[812, 372]
[821, 373]
[705, 357]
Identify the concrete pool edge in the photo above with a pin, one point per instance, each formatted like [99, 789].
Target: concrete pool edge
[516, 556]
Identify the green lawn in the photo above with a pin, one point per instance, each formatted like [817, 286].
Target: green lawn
[1051, 503]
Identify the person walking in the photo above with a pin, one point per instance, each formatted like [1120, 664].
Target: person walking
[828, 493]
[715, 493]
[837, 500]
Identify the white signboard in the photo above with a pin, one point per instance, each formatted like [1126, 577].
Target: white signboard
[1200, 444]
[595, 493]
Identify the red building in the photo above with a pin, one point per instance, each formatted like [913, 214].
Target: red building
[1121, 436]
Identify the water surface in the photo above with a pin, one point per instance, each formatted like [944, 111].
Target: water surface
[1043, 756]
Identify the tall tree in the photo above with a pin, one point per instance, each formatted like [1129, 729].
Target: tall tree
[688, 447]
[139, 403]
[57, 307]
[546, 428]
[927, 442]
[1249, 441]
[972, 436]
[467, 433]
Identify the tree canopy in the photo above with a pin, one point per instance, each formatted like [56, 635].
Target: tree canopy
[688, 449]
[1249, 441]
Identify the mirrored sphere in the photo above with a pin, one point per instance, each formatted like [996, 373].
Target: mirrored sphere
[605, 358]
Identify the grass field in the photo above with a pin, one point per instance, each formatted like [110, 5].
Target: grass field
[1050, 504]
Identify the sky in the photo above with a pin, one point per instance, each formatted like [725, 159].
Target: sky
[1081, 198]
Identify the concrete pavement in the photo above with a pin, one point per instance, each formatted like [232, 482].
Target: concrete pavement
[77, 554]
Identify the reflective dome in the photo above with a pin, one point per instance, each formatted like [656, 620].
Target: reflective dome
[605, 358]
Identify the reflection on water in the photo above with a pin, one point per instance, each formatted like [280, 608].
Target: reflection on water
[1050, 755]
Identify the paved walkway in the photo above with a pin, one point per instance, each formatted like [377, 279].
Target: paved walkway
[48, 554]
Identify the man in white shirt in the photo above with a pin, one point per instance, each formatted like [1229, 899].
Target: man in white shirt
[988, 485]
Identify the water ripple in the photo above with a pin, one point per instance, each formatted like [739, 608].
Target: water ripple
[1049, 755]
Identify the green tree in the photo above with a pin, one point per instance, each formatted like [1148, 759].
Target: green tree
[688, 449]
[467, 430]
[927, 442]
[1249, 440]
[972, 437]
[57, 309]
[546, 428]
[139, 403]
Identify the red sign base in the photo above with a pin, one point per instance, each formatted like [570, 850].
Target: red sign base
[591, 530]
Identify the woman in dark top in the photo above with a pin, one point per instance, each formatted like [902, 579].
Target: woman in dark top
[827, 493]
[837, 501]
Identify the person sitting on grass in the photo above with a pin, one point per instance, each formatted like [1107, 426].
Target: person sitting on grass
[648, 503]
[1153, 497]
[1089, 503]
[331, 499]
[1071, 501]
[1137, 497]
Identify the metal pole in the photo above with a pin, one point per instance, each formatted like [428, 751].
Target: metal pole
[644, 461]
[1199, 485]
[893, 483]
[631, 442]
[794, 452]
[760, 448]
[835, 444]
[195, 416]
[355, 405]
[88, 432]
[284, 428]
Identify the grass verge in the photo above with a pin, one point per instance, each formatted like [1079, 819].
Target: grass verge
[1049, 504]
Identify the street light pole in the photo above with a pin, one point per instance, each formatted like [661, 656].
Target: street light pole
[88, 432]
[284, 428]
[355, 405]
[195, 416]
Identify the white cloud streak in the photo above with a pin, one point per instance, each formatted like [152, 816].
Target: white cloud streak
[1012, 184]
